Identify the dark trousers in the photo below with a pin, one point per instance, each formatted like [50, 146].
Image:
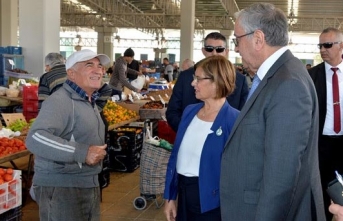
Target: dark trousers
[330, 160]
[189, 202]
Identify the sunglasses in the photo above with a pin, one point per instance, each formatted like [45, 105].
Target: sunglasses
[327, 44]
[219, 49]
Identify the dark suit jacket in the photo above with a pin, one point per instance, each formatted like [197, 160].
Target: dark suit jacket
[269, 166]
[318, 76]
[183, 95]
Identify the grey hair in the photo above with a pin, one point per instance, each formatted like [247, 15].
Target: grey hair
[267, 18]
[53, 59]
[188, 62]
[338, 33]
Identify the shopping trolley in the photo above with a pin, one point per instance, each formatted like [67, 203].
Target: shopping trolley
[153, 166]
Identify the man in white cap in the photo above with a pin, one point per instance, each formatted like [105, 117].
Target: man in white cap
[68, 142]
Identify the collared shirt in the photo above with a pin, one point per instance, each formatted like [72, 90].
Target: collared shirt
[328, 125]
[268, 63]
[82, 93]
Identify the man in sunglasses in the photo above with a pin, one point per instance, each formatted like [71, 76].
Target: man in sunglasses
[183, 92]
[330, 141]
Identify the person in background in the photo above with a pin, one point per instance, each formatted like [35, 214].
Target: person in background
[186, 64]
[168, 70]
[308, 66]
[134, 65]
[118, 79]
[330, 141]
[193, 170]
[68, 142]
[184, 94]
[109, 71]
[337, 211]
[54, 77]
[176, 70]
[239, 69]
[249, 75]
[269, 167]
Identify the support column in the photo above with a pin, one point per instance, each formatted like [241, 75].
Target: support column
[8, 23]
[187, 29]
[39, 32]
[227, 34]
[105, 40]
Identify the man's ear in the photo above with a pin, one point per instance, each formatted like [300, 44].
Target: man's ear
[71, 73]
[259, 39]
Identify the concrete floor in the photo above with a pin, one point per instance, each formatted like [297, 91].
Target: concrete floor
[117, 199]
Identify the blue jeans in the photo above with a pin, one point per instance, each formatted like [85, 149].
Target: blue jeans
[68, 203]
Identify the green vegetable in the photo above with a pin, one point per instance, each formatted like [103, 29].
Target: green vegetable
[17, 125]
[165, 145]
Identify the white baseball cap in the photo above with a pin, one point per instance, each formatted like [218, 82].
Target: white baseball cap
[85, 55]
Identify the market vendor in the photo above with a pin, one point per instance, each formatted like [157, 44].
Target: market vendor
[119, 77]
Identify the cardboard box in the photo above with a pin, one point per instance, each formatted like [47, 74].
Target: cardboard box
[11, 193]
[134, 107]
[10, 118]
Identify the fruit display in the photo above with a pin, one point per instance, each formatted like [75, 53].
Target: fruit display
[153, 105]
[115, 113]
[6, 175]
[10, 146]
[129, 129]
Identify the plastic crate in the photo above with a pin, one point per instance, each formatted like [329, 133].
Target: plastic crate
[14, 50]
[30, 115]
[30, 93]
[156, 75]
[11, 193]
[125, 140]
[12, 214]
[124, 148]
[124, 163]
[3, 50]
[30, 105]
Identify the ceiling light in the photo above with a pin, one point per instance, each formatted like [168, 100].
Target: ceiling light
[153, 7]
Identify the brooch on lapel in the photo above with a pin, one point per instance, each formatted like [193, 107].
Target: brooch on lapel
[219, 131]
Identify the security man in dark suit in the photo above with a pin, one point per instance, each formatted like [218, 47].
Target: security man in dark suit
[330, 142]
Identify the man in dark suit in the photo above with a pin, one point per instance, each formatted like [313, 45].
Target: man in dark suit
[330, 142]
[269, 167]
[183, 92]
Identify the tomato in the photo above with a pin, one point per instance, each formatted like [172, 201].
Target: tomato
[7, 177]
[9, 171]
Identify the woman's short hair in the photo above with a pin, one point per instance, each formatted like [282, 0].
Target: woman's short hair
[221, 71]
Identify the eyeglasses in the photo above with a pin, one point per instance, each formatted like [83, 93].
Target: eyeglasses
[197, 79]
[235, 40]
[328, 44]
[219, 49]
